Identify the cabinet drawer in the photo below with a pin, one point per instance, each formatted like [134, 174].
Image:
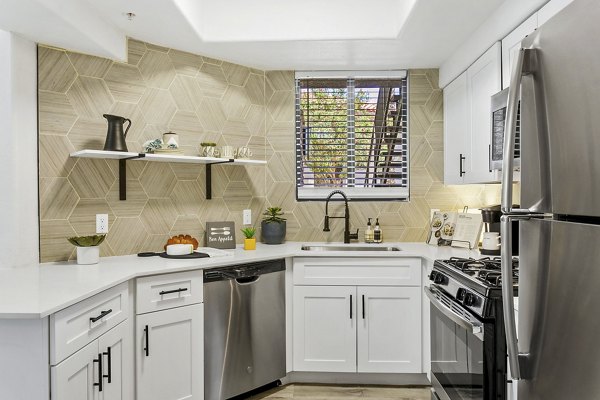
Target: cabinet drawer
[357, 271]
[79, 324]
[168, 290]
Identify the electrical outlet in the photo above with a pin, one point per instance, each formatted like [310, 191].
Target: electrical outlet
[247, 217]
[101, 223]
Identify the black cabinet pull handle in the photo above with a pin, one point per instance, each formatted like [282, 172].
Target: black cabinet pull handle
[172, 291]
[490, 157]
[99, 361]
[461, 159]
[109, 360]
[102, 315]
[147, 348]
[363, 306]
[350, 306]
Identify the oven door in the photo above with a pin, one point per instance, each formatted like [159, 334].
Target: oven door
[457, 349]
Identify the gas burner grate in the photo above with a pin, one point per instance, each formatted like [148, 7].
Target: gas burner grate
[485, 270]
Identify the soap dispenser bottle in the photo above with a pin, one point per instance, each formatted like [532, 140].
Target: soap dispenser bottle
[377, 234]
[369, 233]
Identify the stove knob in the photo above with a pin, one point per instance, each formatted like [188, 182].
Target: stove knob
[433, 275]
[440, 279]
[470, 299]
[460, 294]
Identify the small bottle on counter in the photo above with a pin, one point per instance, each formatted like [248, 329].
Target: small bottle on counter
[369, 233]
[377, 234]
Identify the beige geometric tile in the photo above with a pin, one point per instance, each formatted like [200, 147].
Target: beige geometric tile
[212, 80]
[219, 180]
[420, 181]
[435, 135]
[435, 105]
[158, 180]
[185, 63]
[282, 194]
[281, 136]
[420, 89]
[54, 156]
[435, 166]
[420, 151]
[132, 112]
[133, 168]
[91, 178]
[236, 133]
[126, 236]
[136, 199]
[415, 212]
[83, 217]
[186, 172]
[57, 198]
[211, 114]
[255, 88]
[237, 196]
[309, 213]
[268, 90]
[258, 205]
[88, 134]
[282, 166]
[414, 235]
[212, 61]
[188, 225]
[157, 70]
[187, 197]
[155, 47]
[125, 83]
[90, 97]
[255, 120]
[420, 120]
[87, 65]
[157, 106]
[55, 71]
[53, 240]
[281, 80]
[56, 115]
[213, 210]
[236, 103]
[135, 51]
[187, 125]
[442, 197]
[235, 74]
[433, 76]
[155, 243]
[186, 93]
[158, 216]
[281, 106]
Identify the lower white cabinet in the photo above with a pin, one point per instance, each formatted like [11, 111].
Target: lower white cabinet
[169, 353]
[357, 329]
[98, 371]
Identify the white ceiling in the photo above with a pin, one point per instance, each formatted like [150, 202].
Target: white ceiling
[265, 34]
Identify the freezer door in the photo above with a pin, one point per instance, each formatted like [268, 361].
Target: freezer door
[560, 114]
[559, 300]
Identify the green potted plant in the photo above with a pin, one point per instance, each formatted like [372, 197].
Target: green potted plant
[88, 248]
[250, 240]
[273, 226]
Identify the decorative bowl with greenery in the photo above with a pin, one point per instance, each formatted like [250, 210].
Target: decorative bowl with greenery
[273, 226]
[209, 149]
[250, 240]
[88, 250]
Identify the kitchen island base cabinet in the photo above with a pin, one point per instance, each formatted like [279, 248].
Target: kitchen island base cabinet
[169, 354]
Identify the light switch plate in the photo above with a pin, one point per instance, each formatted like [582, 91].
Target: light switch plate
[247, 217]
[101, 223]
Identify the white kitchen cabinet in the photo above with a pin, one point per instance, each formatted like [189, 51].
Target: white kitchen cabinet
[456, 130]
[389, 329]
[324, 328]
[169, 353]
[511, 45]
[467, 121]
[99, 371]
[551, 8]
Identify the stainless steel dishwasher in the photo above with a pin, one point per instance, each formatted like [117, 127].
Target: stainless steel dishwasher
[244, 328]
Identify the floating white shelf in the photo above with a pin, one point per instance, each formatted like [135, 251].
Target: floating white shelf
[123, 157]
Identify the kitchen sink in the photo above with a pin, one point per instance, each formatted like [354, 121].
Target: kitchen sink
[348, 248]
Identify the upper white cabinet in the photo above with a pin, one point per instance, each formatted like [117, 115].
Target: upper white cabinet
[511, 45]
[551, 9]
[467, 121]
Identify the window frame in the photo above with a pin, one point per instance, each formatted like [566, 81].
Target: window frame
[401, 194]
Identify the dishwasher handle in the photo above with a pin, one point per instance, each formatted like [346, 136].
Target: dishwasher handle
[247, 280]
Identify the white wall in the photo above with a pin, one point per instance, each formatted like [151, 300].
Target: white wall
[19, 233]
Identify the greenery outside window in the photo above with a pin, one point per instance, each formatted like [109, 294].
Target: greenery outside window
[352, 134]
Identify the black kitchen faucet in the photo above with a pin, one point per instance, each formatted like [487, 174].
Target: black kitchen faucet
[347, 235]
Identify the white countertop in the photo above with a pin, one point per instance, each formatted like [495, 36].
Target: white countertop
[40, 290]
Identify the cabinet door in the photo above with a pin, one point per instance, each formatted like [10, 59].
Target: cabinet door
[324, 328]
[511, 45]
[169, 346]
[74, 377]
[389, 329]
[456, 130]
[483, 81]
[117, 364]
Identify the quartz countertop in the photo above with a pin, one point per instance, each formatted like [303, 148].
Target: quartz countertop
[43, 289]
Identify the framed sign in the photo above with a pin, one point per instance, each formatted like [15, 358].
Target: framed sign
[220, 234]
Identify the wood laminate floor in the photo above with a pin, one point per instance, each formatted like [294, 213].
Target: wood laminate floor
[330, 392]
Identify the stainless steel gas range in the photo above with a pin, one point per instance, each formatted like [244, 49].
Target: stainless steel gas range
[468, 344]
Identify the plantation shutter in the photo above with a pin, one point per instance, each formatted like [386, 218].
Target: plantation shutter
[352, 134]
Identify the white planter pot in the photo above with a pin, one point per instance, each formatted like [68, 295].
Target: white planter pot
[88, 255]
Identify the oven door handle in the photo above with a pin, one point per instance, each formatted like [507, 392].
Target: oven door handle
[476, 329]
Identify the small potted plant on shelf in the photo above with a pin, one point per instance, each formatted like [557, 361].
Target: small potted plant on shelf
[88, 250]
[250, 240]
[273, 226]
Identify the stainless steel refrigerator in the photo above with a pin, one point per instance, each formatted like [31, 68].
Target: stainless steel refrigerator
[557, 78]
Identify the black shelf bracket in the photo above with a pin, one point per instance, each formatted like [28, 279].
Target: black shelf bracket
[123, 175]
[209, 176]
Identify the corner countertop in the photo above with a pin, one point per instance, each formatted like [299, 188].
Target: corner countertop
[43, 289]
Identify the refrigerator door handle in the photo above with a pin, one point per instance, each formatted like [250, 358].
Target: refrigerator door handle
[508, 298]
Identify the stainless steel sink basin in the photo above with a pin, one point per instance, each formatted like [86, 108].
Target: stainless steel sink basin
[348, 248]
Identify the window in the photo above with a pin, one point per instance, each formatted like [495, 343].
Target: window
[352, 134]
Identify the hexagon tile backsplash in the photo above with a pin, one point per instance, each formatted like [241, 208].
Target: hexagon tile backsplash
[203, 99]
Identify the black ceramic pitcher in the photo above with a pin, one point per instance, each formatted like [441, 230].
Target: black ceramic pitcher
[115, 137]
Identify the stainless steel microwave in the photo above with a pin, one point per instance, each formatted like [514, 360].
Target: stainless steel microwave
[499, 105]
